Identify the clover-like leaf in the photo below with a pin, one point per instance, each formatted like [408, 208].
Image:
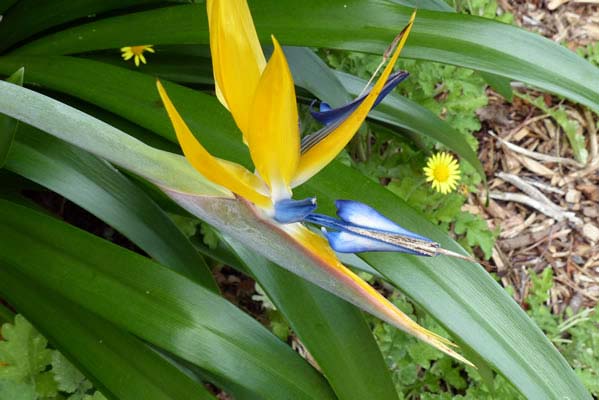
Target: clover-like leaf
[14, 390]
[23, 352]
[67, 376]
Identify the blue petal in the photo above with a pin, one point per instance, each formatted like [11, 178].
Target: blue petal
[326, 115]
[332, 118]
[345, 242]
[289, 210]
[324, 107]
[359, 214]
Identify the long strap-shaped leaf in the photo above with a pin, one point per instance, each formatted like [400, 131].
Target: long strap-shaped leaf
[445, 288]
[154, 303]
[8, 126]
[460, 295]
[98, 187]
[6, 4]
[329, 327]
[104, 352]
[334, 87]
[334, 331]
[28, 17]
[500, 84]
[362, 25]
[240, 221]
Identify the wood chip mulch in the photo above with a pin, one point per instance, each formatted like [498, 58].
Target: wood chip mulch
[544, 201]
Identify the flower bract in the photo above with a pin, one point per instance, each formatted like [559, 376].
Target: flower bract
[261, 98]
[260, 95]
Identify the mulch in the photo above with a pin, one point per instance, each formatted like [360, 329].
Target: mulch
[545, 202]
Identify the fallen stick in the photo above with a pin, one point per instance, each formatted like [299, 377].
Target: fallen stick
[551, 210]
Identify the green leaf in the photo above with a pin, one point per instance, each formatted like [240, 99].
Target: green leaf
[312, 74]
[8, 126]
[29, 17]
[358, 25]
[103, 191]
[66, 375]
[460, 295]
[6, 315]
[5, 5]
[95, 396]
[14, 390]
[233, 217]
[184, 68]
[451, 38]
[501, 85]
[11, 188]
[23, 352]
[463, 297]
[163, 308]
[105, 139]
[435, 5]
[45, 385]
[334, 331]
[101, 350]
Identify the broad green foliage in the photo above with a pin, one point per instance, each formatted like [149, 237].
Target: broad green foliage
[70, 52]
[29, 370]
[421, 371]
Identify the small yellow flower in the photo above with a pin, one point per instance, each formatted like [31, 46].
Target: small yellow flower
[136, 52]
[443, 171]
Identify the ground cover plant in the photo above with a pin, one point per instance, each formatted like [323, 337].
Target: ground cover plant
[107, 107]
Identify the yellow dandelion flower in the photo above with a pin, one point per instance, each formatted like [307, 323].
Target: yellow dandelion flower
[136, 52]
[443, 171]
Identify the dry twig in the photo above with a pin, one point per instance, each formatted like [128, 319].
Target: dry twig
[534, 154]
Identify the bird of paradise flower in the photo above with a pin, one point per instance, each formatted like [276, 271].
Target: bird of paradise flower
[261, 99]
